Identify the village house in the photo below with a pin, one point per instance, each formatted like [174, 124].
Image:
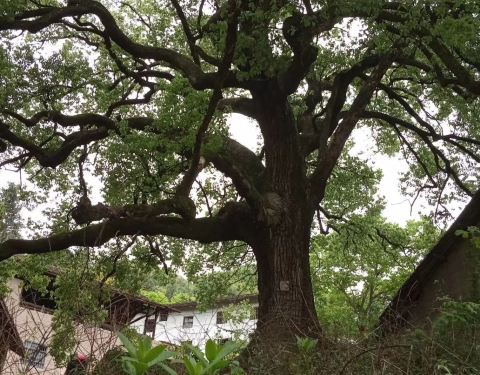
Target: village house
[26, 328]
[233, 318]
[451, 269]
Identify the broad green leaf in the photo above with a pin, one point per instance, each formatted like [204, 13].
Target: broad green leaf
[167, 369]
[211, 350]
[132, 350]
[190, 365]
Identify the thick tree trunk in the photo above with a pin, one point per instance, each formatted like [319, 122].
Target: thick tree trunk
[286, 306]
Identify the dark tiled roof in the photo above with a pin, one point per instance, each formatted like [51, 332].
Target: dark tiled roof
[396, 314]
[187, 306]
[9, 332]
[122, 307]
[118, 295]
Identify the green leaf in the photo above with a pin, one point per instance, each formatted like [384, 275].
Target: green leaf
[144, 347]
[132, 350]
[128, 367]
[211, 350]
[190, 365]
[199, 355]
[462, 233]
[154, 353]
[161, 357]
[226, 350]
[168, 369]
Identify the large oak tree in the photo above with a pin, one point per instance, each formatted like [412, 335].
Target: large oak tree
[138, 91]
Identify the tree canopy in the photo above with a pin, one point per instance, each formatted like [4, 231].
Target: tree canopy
[135, 96]
[10, 206]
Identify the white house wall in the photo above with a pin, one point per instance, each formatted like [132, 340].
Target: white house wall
[204, 328]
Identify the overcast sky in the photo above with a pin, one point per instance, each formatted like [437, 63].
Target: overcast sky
[397, 208]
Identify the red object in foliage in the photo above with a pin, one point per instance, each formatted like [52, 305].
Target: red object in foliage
[78, 365]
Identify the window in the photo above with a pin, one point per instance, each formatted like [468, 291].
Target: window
[163, 316]
[37, 299]
[35, 354]
[150, 324]
[187, 321]
[220, 318]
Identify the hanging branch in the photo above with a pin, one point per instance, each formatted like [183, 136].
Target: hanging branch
[230, 42]
[155, 250]
[116, 258]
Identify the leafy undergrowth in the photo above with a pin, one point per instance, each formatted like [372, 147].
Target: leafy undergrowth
[451, 345]
[143, 358]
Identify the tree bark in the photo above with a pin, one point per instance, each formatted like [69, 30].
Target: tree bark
[286, 305]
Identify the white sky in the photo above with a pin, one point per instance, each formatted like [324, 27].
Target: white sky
[397, 210]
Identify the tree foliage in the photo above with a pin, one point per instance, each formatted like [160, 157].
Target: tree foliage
[358, 270]
[10, 218]
[135, 96]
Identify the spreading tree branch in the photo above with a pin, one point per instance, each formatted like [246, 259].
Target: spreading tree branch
[36, 20]
[231, 224]
[328, 159]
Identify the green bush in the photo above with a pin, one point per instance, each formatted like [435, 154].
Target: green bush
[142, 358]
